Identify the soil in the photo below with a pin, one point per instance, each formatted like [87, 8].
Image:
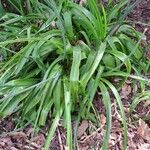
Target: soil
[141, 17]
[92, 137]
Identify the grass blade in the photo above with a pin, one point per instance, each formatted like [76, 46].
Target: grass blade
[68, 103]
[118, 99]
[107, 104]
[85, 78]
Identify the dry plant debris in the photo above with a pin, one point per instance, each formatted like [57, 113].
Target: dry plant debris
[91, 137]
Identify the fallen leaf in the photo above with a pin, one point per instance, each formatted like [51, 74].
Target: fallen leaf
[125, 91]
[144, 146]
[82, 128]
[82, 2]
[103, 119]
[13, 148]
[19, 134]
[6, 142]
[29, 132]
[147, 103]
[143, 130]
[113, 138]
[53, 24]
[117, 79]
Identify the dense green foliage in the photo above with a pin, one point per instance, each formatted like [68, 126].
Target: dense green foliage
[57, 55]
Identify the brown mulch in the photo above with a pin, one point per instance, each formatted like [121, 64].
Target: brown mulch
[141, 17]
[90, 136]
[138, 127]
[141, 21]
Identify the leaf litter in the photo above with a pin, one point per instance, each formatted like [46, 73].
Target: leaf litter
[89, 135]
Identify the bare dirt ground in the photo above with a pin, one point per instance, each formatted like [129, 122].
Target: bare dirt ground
[90, 136]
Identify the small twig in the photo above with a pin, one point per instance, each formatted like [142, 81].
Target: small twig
[59, 139]
[32, 144]
[10, 133]
[91, 135]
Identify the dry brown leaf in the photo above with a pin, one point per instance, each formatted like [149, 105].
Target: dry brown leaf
[13, 148]
[125, 91]
[5, 142]
[19, 134]
[53, 24]
[112, 140]
[144, 146]
[82, 128]
[39, 139]
[103, 119]
[82, 2]
[83, 147]
[29, 131]
[147, 103]
[128, 82]
[143, 130]
[117, 79]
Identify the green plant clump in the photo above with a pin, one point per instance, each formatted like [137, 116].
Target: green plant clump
[58, 54]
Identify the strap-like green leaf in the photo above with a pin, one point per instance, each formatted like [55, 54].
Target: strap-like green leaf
[118, 99]
[87, 75]
[107, 104]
